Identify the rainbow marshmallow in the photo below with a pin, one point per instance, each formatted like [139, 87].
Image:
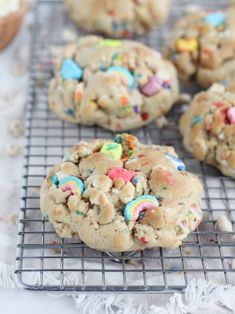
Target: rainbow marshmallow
[140, 204]
[72, 184]
[126, 76]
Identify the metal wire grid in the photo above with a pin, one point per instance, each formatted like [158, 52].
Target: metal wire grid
[45, 262]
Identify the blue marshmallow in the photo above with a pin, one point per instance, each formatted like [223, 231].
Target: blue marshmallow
[179, 165]
[71, 70]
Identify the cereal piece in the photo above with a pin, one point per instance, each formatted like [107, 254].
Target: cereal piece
[102, 182]
[127, 193]
[153, 217]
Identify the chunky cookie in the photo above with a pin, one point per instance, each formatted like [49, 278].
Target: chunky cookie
[115, 84]
[208, 128]
[202, 46]
[118, 18]
[122, 195]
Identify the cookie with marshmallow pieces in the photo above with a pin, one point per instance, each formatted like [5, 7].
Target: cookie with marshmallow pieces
[120, 195]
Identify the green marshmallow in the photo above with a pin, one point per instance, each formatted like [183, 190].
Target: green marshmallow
[113, 149]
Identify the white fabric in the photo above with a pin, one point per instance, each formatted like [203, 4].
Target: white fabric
[200, 295]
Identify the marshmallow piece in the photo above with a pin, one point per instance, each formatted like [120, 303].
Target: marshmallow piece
[113, 149]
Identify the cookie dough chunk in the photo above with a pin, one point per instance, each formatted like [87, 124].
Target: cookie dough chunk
[122, 195]
[202, 46]
[118, 18]
[117, 85]
[208, 128]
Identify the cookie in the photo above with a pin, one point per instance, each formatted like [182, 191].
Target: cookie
[122, 195]
[115, 84]
[119, 19]
[202, 46]
[208, 128]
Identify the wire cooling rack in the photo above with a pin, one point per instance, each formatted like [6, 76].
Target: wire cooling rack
[45, 262]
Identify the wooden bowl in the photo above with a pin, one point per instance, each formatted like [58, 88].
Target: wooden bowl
[10, 24]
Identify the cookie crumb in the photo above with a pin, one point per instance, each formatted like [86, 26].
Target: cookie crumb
[16, 128]
[223, 224]
[231, 264]
[132, 262]
[69, 35]
[56, 250]
[13, 218]
[217, 88]
[192, 8]
[19, 69]
[14, 150]
[162, 122]
[184, 98]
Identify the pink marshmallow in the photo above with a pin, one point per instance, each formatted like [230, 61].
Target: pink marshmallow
[121, 173]
[231, 115]
[152, 87]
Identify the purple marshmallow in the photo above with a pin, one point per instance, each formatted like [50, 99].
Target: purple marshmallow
[152, 87]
